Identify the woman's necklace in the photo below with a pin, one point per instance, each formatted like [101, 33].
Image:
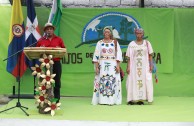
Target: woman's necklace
[106, 41]
[139, 42]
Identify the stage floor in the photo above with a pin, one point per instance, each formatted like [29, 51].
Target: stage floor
[164, 109]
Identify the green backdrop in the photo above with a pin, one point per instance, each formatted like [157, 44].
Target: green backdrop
[169, 30]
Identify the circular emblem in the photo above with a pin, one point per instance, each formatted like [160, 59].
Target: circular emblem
[104, 50]
[31, 28]
[17, 30]
[110, 50]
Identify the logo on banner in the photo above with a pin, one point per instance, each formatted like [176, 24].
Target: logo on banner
[123, 28]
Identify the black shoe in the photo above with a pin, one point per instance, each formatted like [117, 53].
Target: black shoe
[130, 103]
[140, 103]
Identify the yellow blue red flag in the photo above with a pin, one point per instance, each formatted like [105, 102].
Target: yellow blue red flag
[16, 64]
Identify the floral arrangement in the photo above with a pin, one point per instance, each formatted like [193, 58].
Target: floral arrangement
[44, 96]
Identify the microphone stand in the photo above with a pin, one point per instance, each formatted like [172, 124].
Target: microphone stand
[18, 104]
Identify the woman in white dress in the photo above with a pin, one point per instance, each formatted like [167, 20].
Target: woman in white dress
[139, 68]
[106, 59]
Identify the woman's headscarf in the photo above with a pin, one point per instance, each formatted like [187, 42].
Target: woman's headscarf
[109, 28]
[139, 30]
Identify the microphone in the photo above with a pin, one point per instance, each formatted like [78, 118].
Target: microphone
[47, 35]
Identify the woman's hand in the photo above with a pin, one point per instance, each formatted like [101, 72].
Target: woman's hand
[150, 63]
[97, 71]
[97, 68]
[128, 70]
[151, 69]
[117, 69]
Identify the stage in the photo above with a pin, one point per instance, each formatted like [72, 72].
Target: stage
[164, 109]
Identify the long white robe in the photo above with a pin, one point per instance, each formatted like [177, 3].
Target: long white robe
[107, 85]
[139, 82]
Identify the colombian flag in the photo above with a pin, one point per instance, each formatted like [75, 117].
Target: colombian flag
[16, 64]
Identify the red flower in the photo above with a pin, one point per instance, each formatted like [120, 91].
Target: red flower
[53, 106]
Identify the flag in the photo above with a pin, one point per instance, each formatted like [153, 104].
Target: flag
[32, 30]
[16, 64]
[55, 15]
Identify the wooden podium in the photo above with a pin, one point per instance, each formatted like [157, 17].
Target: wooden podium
[44, 92]
[36, 52]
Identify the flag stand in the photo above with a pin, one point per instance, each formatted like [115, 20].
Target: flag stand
[18, 104]
[25, 96]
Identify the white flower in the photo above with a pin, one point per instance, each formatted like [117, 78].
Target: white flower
[52, 107]
[42, 98]
[42, 89]
[37, 70]
[46, 61]
[48, 78]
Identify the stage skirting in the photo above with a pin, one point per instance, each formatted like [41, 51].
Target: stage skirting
[164, 109]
